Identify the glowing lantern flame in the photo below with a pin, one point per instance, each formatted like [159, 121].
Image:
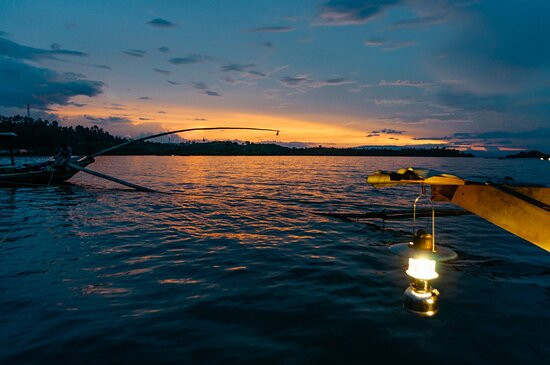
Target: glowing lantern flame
[422, 269]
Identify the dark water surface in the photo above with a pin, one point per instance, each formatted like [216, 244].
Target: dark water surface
[235, 268]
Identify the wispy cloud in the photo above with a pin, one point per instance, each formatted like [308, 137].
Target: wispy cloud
[349, 12]
[243, 69]
[399, 45]
[294, 81]
[135, 52]
[200, 85]
[188, 60]
[161, 23]
[406, 83]
[211, 93]
[388, 45]
[375, 42]
[203, 89]
[272, 29]
[304, 82]
[331, 82]
[161, 71]
[108, 120]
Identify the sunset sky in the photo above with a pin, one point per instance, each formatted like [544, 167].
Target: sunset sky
[467, 74]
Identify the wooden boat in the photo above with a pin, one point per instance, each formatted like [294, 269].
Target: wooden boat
[39, 173]
[43, 173]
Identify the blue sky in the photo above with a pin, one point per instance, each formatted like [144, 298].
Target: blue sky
[468, 74]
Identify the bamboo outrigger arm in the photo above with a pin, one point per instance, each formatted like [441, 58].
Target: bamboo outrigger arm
[521, 210]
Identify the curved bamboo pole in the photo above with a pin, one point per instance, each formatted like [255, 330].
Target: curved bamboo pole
[177, 131]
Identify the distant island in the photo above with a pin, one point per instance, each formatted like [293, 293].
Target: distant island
[529, 154]
[37, 137]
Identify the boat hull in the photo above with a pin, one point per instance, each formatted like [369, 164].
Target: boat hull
[38, 174]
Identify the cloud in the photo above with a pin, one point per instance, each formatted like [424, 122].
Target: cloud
[108, 120]
[388, 46]
[399, 45]
[388, 131]
[78, 105]
[331, 82]
[244, 69]
[472, 102]
[211, 93]
[200, 85]
[406, 83]
[348, 12]
[394, 102]
[304, 82]
[173, 82]
[24, 84]
[164, 72]
[105, 67]
[374, 42]
[203, 88]
[493, 140]
[498, 49]
[294, 81]
[163, 49]
[237, 67]
[191, 59]
[273, 29]
[55, 46]
[135, 52]
[18, 51]
[161, 23]
[142, 118]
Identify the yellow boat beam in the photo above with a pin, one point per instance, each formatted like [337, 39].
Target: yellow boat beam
[523, 211]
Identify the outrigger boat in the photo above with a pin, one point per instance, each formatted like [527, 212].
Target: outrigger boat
[52, 172]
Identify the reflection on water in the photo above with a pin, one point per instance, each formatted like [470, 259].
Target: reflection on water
[232, 266]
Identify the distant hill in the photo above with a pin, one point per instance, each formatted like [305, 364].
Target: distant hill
[529, 154]
[41, 137]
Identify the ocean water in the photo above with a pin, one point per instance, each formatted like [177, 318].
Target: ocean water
[233, 265]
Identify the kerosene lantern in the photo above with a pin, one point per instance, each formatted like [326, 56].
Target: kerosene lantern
[420, 297]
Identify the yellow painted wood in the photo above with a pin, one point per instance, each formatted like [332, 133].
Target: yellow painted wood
[512, 213]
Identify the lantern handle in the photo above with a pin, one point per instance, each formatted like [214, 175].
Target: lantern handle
[423, 194]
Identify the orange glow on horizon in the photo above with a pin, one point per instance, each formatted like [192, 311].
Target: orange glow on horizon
[146, 119]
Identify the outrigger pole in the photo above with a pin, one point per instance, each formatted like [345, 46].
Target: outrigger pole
[90, 158]
[521, 210]
[178, 131]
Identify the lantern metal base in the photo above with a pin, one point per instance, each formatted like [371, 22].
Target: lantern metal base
[406, 250]
[422, 302]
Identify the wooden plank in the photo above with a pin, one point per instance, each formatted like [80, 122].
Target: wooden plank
[525, 217]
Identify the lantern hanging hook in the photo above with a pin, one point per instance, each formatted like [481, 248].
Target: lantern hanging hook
[423, 194]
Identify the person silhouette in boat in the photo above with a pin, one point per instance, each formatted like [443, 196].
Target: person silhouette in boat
[63, 155]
